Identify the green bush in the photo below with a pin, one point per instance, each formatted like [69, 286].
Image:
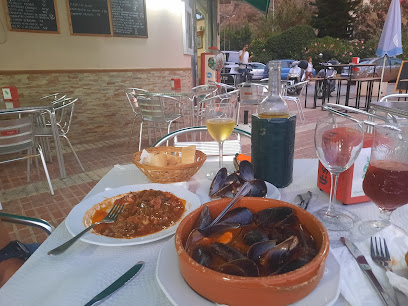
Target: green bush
[289, 44]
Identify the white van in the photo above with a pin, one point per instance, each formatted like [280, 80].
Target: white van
[230, 70]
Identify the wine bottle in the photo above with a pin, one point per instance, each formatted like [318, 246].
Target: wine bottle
[273, 106]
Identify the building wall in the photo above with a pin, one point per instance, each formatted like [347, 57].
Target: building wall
[97, 70]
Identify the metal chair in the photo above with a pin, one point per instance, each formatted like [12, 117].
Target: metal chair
[64, 111]
[250, 95]
[394, 97]
[222, 87]
[301, 88]
[16, 136]
[131, 95]
[35, 222]
[158, 109]
[200, 93]
[231, 97]
[210, 148]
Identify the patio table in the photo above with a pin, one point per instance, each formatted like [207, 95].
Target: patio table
[51, 111]
[84, 270]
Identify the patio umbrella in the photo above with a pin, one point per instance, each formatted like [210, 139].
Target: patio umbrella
[390, 42]
[262, 5]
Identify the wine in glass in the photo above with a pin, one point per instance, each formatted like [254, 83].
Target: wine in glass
[386, 179]
[338, 141]
[220, 121]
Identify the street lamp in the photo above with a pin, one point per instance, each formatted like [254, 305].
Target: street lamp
[229, 24]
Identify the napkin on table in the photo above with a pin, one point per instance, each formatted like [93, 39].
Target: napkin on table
[356, 286]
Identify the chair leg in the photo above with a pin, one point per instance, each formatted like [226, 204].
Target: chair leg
[300, 110]
[140, 135]
[73, 151]
[29, 152]
[46, 169]
[131, 130]
[238, 111]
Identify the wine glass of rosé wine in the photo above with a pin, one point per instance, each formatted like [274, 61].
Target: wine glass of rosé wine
[386, 179]
[220, 122]
[338, 142]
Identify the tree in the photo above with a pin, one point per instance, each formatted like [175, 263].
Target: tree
[334, 18]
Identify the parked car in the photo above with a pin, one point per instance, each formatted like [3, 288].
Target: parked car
[285, 67]
[286, 64]
[257, 70]
[392, 67]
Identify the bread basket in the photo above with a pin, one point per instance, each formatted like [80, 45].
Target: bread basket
[169, 174]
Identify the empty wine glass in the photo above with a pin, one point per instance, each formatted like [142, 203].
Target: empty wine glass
[220, 122]
[338, 141]
[386, 179]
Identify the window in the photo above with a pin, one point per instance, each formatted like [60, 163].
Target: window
[188, 39]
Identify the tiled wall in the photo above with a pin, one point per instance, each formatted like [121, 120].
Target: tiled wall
[102, 111]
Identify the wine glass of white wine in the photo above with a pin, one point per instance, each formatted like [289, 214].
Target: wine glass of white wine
[220, 121]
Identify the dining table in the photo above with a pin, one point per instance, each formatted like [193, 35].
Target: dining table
[54, 128]
[395, 108]
[77, 275]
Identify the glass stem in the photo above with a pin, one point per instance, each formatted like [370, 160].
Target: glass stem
[220, 148]
[333, 190]
[385, 216]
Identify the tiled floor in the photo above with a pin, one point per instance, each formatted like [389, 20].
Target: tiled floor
[34, 199]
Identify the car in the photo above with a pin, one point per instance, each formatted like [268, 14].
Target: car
[392, 67]
[286, 63]
[257, 71]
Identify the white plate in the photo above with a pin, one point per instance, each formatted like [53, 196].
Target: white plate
[75, 224]
[179, 293]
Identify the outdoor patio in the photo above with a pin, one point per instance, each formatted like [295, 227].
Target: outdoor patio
[34, 199]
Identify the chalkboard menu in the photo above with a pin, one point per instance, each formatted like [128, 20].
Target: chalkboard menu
[89, 17]
[402, 79]
[129, 18]
[32, 15]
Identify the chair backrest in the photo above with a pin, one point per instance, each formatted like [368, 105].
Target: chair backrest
[394, 97]
[64, 113]
[131, 95]
[16, 135]
[202, 92]
[54, 97]
[252, 92]
[152, 107]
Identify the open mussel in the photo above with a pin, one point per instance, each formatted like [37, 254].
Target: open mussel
[224, 185]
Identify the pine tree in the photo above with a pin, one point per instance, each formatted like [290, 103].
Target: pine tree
[335, 18]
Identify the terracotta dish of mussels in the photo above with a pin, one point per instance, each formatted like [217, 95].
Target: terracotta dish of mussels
[226, 186]
[262, 251]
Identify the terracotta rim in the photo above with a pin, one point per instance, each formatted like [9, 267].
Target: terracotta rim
[298, 273]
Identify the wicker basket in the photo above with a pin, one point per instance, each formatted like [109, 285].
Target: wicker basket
[169, 174]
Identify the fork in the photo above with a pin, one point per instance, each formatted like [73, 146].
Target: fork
[380, 253]
[111, 217]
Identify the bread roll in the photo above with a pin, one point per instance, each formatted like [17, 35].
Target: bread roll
[188, 155]
[172, 160]
[158, 160]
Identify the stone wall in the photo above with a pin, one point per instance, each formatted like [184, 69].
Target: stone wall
[102, 110]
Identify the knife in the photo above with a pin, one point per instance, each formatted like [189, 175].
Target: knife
[362, 262]
[132, 272]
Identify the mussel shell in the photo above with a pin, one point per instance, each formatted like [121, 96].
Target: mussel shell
[292, 265]
[246, 171]
[270, 217]
[226, 252]
[277, 256]
[257, 250]
[254, 235]
[202, 255]
[258, 189]
[204, 219]
[240, 267]
[218, 181]
[241, 215]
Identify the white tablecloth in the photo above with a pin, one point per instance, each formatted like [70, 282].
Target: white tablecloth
[76, 276]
